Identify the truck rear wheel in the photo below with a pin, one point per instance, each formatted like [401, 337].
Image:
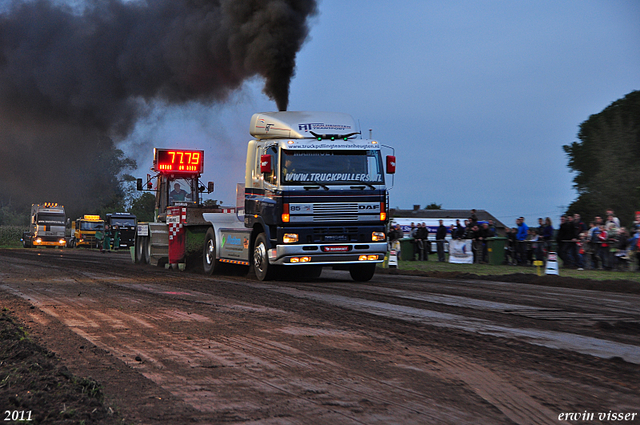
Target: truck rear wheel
[209, 260]
[142, 250]
[362, 272]
[261, 266]
[137, 250]
[146, 258]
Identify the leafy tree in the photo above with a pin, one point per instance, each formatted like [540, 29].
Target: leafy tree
[144, 207]
[606, 161]
[433, 206]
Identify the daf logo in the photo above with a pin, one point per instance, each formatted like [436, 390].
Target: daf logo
[367, 207]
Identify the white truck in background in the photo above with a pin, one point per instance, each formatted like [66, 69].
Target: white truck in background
[47, 226]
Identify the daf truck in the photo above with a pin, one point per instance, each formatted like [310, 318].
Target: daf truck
[314, 195]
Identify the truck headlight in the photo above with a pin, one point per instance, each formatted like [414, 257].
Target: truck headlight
[378, 236]
[290, 238]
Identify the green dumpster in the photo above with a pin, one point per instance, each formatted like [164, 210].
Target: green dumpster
[495, 250]
[406, 249]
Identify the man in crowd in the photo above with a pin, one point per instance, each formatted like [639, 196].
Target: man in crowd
[395, 234]
[423, 235]
[578, 228]
[510, 256]
[521, 236]
[441, 234]
[579, 225]
[564, 238]
[485, 233]
[413, 233]
[459, 230]
[473, 233]
[612, 217]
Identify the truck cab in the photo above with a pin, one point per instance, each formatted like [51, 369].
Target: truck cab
[47, 226]
[83, 231]
[126, 225]
[317, 193]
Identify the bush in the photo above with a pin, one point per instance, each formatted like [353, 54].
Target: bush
[10, 235]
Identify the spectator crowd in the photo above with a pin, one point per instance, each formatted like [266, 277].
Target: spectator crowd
[603, 244]
[477, 232]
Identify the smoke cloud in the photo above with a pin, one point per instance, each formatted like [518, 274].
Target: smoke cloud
[71, 76]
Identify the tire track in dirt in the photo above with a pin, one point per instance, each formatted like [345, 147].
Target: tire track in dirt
[278, 379]
[245, 362]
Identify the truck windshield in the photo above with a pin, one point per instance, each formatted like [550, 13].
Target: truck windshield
[51, 218]
[181, 192]
[332, 167]
[91, 225]
[123, 221]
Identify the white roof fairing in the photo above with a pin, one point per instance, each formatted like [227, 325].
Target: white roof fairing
[299, 125]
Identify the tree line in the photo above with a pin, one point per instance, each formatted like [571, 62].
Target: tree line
[606, 161]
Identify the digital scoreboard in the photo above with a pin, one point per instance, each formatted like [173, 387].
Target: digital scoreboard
[179, 161]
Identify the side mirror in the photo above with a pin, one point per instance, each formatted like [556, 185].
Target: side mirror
[391, 164]
[210, 187]
[265, 163]
[139, 184]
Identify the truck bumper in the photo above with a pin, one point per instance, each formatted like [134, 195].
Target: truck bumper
[328, 254]
[40, 242]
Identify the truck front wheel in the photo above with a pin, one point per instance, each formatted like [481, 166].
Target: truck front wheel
[261, 266]
[362, 272]
[209, 260]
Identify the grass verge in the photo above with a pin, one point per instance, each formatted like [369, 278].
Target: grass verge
[498, 270]
[10, 236]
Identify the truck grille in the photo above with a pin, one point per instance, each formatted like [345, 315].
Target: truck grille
[338, 212]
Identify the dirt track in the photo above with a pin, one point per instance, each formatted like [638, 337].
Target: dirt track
[175, 347]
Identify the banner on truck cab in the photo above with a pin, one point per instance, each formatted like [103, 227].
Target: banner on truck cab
[460, 251]
[332, 177]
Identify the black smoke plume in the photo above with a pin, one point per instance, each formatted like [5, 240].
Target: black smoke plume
[71, 76]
